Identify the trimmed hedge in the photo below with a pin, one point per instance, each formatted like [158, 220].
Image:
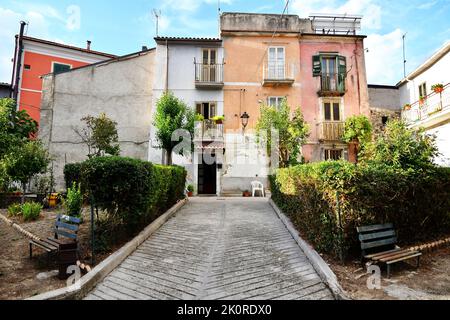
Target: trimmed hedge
[131, 191]
[72, 173]
[418, 203]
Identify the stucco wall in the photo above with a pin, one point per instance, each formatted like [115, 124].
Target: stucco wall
[443, 142]
[385, 98]
[437, 73]
[121, 89]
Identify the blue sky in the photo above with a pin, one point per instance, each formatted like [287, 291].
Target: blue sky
[122, 27]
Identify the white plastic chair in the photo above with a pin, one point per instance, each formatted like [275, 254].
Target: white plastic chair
[258, 186]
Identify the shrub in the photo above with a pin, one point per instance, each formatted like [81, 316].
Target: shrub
[72, 173]
[132, 191]
[15, 210]
[74, 200]
[417, 202]
[31, 211]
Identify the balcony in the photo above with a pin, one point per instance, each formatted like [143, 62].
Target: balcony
[278, 74]
[330, 131]
[332, 85]
[208, 76]
[432, 111]
[208, 130]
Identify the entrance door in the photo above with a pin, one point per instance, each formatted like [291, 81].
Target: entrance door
[207, 174]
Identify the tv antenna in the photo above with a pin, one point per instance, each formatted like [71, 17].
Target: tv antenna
[157, 15]
[404, 55]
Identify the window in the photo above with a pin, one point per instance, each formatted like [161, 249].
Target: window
[333, 154]
[275, 101]
[423, 90]
[384, 120]
[332, 111]
[276, 66]
[27, 67]
[207, 109]
[60, 67]
[209, 65]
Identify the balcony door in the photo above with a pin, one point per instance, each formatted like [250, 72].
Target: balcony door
[329, 74]
[207, 109]
[209, 60]
[276, 63]
[332, 111]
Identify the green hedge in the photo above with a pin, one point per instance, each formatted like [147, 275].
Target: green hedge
[131, 191]
[418, 203]
[72, 173]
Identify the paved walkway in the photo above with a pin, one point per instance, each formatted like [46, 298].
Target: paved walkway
[217, 249]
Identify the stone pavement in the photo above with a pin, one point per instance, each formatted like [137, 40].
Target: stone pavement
[216, 248]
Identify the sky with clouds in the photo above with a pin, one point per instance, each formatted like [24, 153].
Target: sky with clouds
[122, 27]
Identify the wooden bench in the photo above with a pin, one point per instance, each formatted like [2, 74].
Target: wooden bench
[66, 227]
[379, 244]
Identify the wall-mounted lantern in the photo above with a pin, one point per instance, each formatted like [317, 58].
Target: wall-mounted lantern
[244, 118]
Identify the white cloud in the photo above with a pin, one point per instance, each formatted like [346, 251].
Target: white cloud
[371, 11]
[384, 59]
[427, 5]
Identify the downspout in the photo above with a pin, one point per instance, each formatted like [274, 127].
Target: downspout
[167, 67]
[357, 75]
[18, 62]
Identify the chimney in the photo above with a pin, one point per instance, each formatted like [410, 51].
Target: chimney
[89, 45]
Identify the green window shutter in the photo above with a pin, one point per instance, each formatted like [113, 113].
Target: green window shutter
[317, 65]
[58, 68]
[342, 63]
[342, 69]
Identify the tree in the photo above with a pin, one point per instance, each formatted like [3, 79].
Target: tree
[24, 161]
[100, 135]
[358, 130]
[172, 114]
[292, 131]
[16, 127]
[402, 148]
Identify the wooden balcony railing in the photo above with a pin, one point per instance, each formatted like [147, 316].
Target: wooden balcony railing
[209, 75]
[208, 130]
[330, 131]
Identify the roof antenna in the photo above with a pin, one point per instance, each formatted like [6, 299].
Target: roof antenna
[157, 15]
[404, 55]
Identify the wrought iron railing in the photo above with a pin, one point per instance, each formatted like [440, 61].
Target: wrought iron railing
[208, 130]
[431, 105]
[332, 82]
[278, 71]
[208, 73]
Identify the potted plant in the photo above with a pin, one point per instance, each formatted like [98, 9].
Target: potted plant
[199, 117]
[422, 100]
[190, 190]
[218, 119]
[407, 107]
[438, 88]
[246, 194]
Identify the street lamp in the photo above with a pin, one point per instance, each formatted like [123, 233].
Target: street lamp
[244, 119]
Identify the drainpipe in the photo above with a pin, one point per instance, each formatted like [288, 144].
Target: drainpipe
[18, 61]
[357, 75]
[167, 67]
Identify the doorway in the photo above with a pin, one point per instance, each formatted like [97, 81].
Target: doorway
[207, 178]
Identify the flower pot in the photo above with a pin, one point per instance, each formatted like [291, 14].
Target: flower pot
[190, 194]
[246, 194]
[438, 90]
[219, 121]
[407, 108]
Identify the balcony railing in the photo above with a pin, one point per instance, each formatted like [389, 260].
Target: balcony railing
[208, 75]
[332, 84]
[434, 104]
[275, 74]
[208, 130]
[330, 131]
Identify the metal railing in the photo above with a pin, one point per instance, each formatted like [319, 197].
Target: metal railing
[273, 71]
[433, 103]
[332, 82]
[208, 130]
[208, 73]
[330, 130]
